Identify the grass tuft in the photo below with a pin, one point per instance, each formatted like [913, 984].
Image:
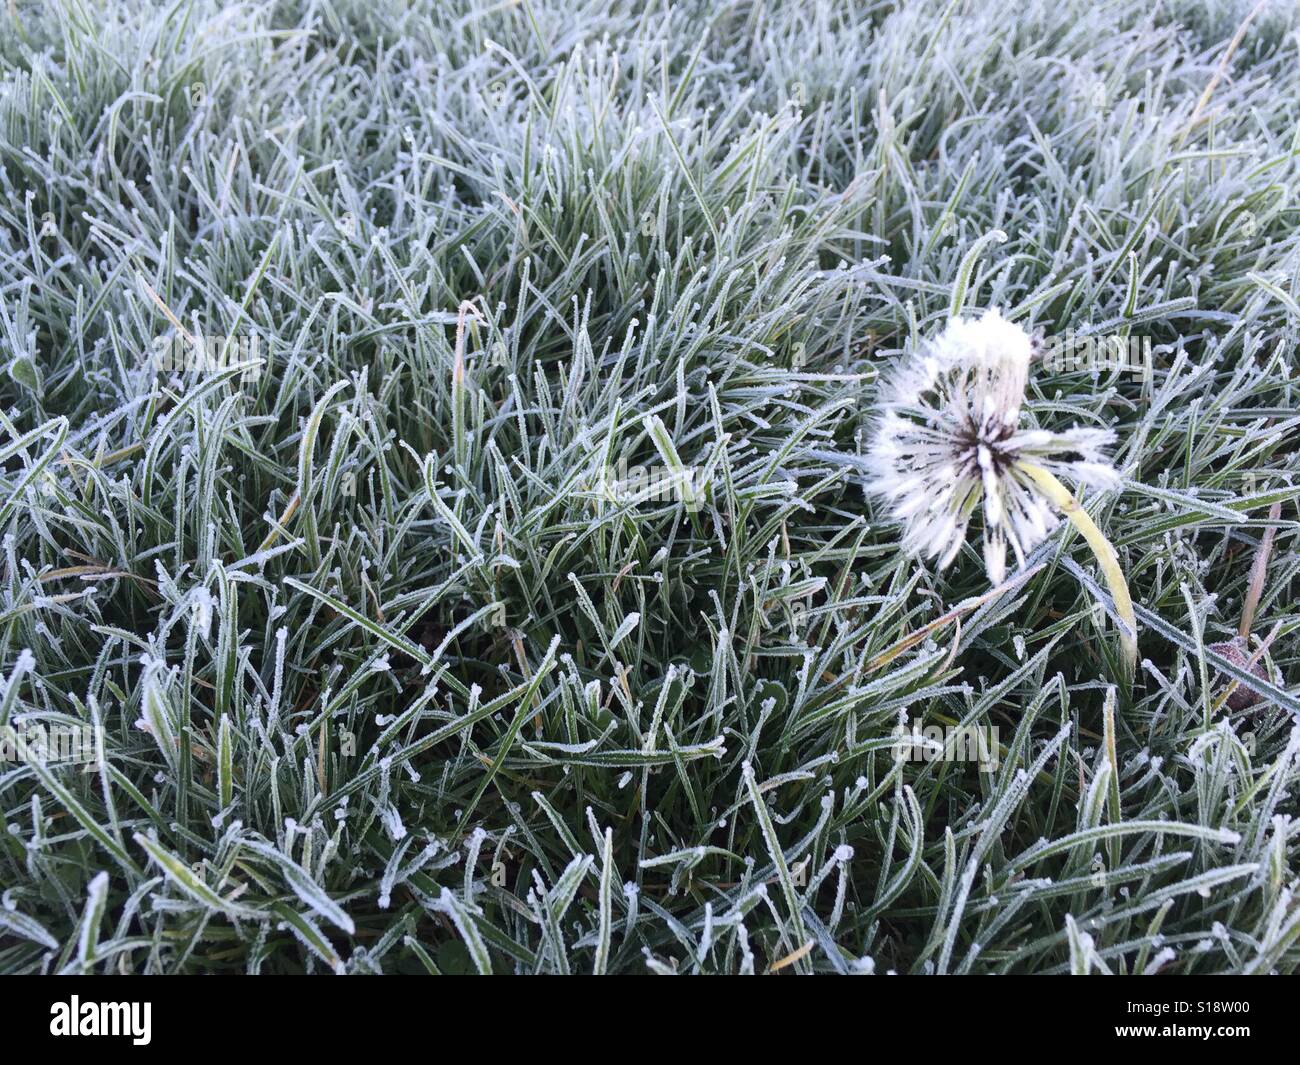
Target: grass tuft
[388, 673]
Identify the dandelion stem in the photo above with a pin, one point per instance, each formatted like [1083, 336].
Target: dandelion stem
[1063, 499]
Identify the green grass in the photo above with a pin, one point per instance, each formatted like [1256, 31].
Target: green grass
[418, 695]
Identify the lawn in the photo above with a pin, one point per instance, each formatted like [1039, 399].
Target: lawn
[436, 445]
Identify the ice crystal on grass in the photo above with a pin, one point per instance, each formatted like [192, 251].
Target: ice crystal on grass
[487, 251]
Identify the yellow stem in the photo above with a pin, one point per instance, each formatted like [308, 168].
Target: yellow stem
[1063, 499]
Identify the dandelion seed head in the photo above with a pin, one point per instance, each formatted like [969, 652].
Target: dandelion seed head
[948, 443]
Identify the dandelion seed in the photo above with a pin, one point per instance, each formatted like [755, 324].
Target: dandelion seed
[949, 442]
